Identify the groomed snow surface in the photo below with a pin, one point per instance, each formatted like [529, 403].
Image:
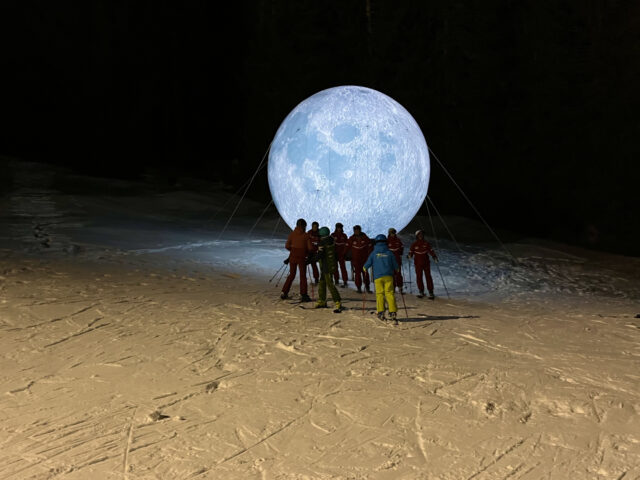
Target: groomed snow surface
[137, 342]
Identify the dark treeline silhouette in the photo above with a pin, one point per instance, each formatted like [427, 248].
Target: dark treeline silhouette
[530, 105]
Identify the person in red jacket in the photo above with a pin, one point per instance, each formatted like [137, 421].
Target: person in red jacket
[299, 247]
[341, 242]
[315, 239]
[359, 246]
[397, 248]
[420, 251]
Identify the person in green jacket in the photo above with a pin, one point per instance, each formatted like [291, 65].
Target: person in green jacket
[327, 258]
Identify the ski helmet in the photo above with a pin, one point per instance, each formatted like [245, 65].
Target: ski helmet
[324, 232]
[418, 232]
[392, 231]
[381, 238]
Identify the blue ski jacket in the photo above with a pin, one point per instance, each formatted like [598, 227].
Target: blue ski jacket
[382, 260]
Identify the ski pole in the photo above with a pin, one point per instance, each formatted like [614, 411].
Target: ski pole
[405, 305]
[442, 278]
[402, 295]
[280, 277]
[274, 275]
[364, 295]
[402, 275]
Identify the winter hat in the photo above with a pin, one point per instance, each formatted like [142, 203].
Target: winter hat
[357, 227]
[324, 232]
[419, 232]
[381, 238]
[301, 222]
[392, 230]
[339, 225]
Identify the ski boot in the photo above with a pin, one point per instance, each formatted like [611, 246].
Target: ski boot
[283, 296]
[359, 290]
[304, 298]
[368, 289]
[431, 296]
[344, 285]
[338, 307]
[381, 316]
[393, 316]
[320, 304]
[421, 294]
[315, 281]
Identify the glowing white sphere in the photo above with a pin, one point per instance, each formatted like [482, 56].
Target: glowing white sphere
[351, 155]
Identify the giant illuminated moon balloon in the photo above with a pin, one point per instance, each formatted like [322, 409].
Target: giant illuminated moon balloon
[351, 155]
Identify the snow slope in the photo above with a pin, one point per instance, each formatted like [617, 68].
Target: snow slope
[139, 343]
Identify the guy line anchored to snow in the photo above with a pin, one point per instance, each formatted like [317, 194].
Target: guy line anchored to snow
[266, 153]
[427, 198]
[472, 205]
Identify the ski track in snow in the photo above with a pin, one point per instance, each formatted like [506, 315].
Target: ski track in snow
[189, 378]
[153, 362]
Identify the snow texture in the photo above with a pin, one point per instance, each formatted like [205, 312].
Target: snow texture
[135, 343]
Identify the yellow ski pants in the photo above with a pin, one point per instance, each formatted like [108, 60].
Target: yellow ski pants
[384, 289]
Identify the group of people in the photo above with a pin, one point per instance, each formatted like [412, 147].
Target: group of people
[383, 255]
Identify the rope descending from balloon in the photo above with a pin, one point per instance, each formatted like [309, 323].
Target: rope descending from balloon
[260, 218]
[437, 248]
[245, 191]
[446, 227]
[515, 261]
[277, 225]
[220, 209]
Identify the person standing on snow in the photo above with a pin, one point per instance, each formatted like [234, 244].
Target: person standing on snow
[313, 236]
[420, 250]
[397, 248]
[359, 246]
[341, 242]
[384, 265]
[299, 246]
[327, 257]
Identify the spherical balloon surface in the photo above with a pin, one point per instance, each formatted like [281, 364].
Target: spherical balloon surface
[351, 155]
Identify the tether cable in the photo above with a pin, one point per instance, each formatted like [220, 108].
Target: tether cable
[260, 217]
[443, 222]
[245, 191]
[472, 205]
[437, 248]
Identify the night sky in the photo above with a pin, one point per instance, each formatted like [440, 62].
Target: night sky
[532, 106]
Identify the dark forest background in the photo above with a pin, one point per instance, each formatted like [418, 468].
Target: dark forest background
[531, 105]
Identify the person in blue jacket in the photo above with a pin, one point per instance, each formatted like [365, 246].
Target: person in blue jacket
[384, 265]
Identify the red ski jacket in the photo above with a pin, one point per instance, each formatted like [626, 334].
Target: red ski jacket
[419, 249]
[341, 242]
[360, 247]
[396, 246]
[315, 239]
[299, 245]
